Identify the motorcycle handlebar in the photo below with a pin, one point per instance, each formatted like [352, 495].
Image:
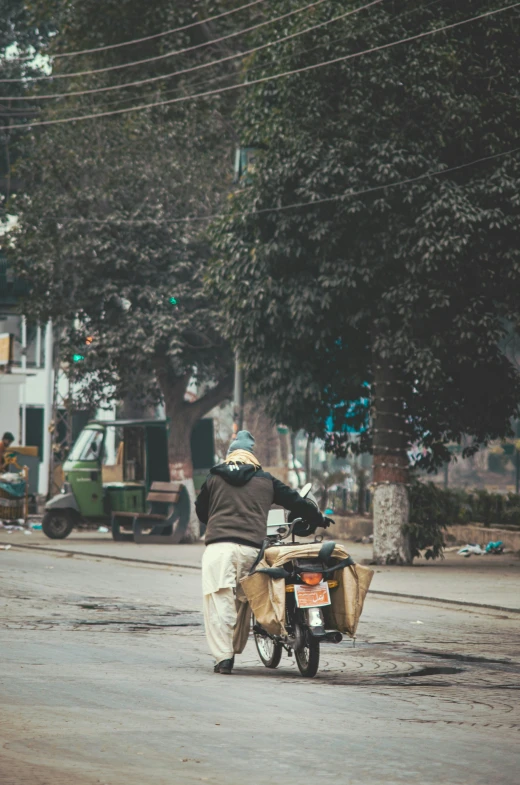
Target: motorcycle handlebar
[326, 522]
[293, 524]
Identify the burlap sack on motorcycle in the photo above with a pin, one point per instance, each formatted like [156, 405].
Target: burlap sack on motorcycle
[266, 595]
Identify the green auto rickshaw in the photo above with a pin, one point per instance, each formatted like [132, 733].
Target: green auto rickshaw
[110, 469]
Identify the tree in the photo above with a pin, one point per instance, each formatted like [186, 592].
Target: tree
[111, 228]
[20, 42]
[396, 293]
[132, 285]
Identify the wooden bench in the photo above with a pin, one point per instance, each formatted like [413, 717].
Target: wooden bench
[169, 510]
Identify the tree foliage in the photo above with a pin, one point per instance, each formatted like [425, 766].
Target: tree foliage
[425, 274]
[431, 510]
[111, 225]
[107, 254]
[20, 42]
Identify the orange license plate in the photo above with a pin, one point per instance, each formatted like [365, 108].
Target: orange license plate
[312, 596]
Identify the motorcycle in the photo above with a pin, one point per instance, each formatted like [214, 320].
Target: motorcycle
[308, 586]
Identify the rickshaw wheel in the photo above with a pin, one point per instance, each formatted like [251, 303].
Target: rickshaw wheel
[57, 525]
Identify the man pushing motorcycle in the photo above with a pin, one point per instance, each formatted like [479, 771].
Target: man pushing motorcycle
[234, 503]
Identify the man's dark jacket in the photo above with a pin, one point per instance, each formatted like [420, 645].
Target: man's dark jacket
[235, 500]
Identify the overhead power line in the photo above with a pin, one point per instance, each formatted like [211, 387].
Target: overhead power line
[174, 53]
[264, 79]
[296, 205]
[281, 59]
[200, 66]
[154, 37]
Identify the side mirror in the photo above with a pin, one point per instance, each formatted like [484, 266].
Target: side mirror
[306, 489]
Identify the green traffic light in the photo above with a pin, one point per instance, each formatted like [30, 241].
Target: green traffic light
[173, 301]
[77, 358]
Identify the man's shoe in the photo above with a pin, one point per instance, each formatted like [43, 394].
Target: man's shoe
[226, 666]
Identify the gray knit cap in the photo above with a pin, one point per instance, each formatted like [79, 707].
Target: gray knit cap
[243, 441]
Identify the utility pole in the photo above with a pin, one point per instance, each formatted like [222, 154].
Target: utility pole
[308, 458]
[23, 407]
[244, 163]
[238, 411]
[514, 356]
[45, 468]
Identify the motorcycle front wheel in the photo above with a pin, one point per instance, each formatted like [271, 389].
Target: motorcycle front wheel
[307, 652]
[268, 650]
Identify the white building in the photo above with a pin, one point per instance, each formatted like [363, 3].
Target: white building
[26, 378]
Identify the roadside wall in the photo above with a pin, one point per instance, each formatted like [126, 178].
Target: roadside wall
[351, 527]
[474, 532]
[355, 527]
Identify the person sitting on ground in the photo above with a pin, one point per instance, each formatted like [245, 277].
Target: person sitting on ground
[7, 440]
[234, 503]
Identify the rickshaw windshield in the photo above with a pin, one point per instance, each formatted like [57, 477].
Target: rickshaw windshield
[87, 446]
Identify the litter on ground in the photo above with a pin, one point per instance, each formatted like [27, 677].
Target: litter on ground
[469, 549]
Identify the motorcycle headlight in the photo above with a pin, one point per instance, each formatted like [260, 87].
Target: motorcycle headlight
[311, 578]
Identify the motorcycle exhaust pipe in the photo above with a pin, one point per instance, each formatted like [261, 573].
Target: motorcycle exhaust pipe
[334, 637]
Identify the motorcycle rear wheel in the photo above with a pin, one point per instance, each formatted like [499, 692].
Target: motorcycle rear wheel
[307, 653]
[268, 650]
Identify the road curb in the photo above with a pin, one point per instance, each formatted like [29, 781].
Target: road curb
[91, 555]
[461, 603]
[376, 592]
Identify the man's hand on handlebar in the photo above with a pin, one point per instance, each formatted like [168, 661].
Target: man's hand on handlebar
[326, 523]
[302, 528]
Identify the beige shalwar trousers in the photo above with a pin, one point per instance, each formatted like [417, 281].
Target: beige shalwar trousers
[227, 615]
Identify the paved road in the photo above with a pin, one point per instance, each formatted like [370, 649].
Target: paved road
[105, 679]
[485, 580]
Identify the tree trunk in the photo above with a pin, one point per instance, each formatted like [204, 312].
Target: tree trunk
[263, 428]
[362, 491]
[179, 451]
[324, 499]
[183, 415]
[390, 500]
[285, 447]
[181, 468]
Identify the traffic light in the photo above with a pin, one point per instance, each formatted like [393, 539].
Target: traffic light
[77, 358]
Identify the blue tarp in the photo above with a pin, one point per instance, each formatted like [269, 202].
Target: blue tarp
[16, 489]
[353, 411]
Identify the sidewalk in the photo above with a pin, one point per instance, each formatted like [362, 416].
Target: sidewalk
[479, 580]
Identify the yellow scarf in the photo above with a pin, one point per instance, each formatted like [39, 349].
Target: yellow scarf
[243, 456]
